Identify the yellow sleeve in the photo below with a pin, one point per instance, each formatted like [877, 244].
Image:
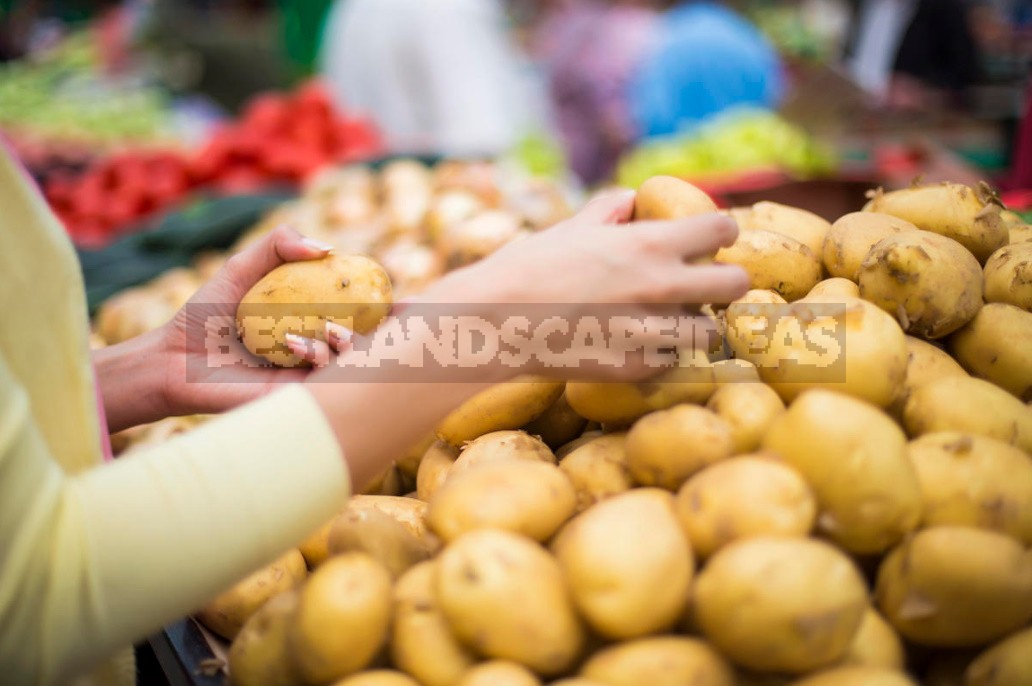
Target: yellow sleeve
[91, 563]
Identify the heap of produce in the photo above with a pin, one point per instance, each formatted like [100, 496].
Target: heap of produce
[840, 494]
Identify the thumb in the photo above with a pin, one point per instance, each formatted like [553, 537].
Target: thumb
[282, 245]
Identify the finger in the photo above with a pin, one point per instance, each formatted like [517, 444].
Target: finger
[315, 352]
[691, 237]
[712, 283]
[609, 207]
[339, 337]
[283, 244]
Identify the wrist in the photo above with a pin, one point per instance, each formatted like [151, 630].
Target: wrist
[132, 380]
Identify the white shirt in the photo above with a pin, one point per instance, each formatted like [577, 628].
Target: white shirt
[437, 76]
[883, 23]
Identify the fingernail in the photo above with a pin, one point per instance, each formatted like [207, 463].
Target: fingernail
[316, 245]
[297, 344]
[338, 333]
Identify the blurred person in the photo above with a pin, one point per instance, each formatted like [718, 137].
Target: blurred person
[707, 58]
[437, 77]
[589, 49]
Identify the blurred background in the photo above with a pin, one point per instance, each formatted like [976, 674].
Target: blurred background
[127, 110]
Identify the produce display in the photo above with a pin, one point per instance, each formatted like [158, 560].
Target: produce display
[839, 494]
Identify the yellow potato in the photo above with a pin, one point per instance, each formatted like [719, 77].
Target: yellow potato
[780, 604]
[974, 481]
[1005, 663]
[505, 597]
[448, 209]
[967, 216]
[748, 409]
[409, 512]
[559, 425]
[342, 618]
[505, 406]
[930, 283]
[379, 535]
[955, 587]
[925, 362]
[585, 437]
[749, 321]
[774, 262]
[833, 290]
[961, 403]
[478, 236]
[499, 673]
[529, 498]
[665, 448]
[624, 583]
[388, 483]
[409, 463]
[378, 677]
[1008, 276]
[260, 654]
[997, 346]
[743, 497]
[659, 661]
[227, 613]
[667, 197]
[734, 371]
[598, 469]
[805, 227]
[852, 237]
[299, 297]
[876, 644]
[421, 641]
[501, 446]
[857, 676]
[854, 458]
[1019, 234]
[434, 468]
[316, 548]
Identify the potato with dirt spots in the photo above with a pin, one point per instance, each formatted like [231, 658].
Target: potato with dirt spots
[742, 497]
[260, 654]
[969, 480]
[624, 583]
[956, 587]
[852, 237]
[833, 290]
[1005, 663]
[787, 605]
[434, 467]
[854, 458]
[663, 198]
[502, 446]
[665, 448]
[748, 409]
[805, 227]
[504, 596]
[925, 362]
[774, 262]
[930, 283]
[300, 297]
[505, 406]
[659, 661]
[1008, 276]
[381, 536]
[997, 346]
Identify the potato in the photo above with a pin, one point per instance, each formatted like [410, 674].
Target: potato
[421, 641]
[378, 677]
[478, 236]
[299, 297]
[559, 425]
[747, 409]
[505, 597]
[584, 438]
[749, 321]
[665, 448]
[925, 362]
[530, 498]
[624, 584]
[499, 673]
[774, 262]
[342, 618]
[974, 481]
[316, 548]
[857, 676]
[833, 290]
[448, 209]
[501, 446]
[1005, 663]
[851, 237]
[260, 654]
[805, 227]
[967, 216]
[505, 406]
[667, 197]
[388, 483]
[1008, 276]
[409, 512]
[780, 604]
[659, 661]
[434, 468]
[598, 469]
[1019, 234]
[743, 497]
[854, 458]
[226, 614]
[955, 587]
[409, 463]
[876, 644]
[961, 403]
[851, 347]
[379, 535]
[734, 371]
[997, 346]
[930, 283]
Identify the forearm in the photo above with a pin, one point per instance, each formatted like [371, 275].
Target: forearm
[131, 378]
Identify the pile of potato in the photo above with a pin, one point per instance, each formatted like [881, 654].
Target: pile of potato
[840, 494]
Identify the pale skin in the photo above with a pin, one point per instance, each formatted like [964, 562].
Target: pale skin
[594, 257]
